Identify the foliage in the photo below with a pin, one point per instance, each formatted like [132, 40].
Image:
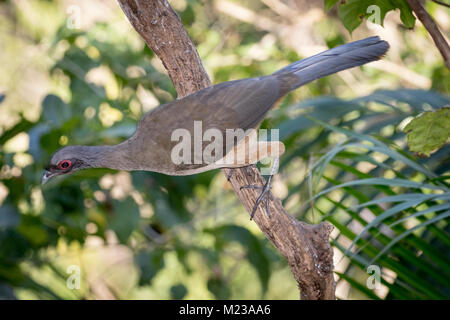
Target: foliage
[353, 12]
[429, 131]
[368, 174]
[145, 235]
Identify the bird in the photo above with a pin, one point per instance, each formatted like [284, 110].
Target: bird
[219, 109]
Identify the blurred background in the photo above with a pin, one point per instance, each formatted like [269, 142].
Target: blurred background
[76, 72]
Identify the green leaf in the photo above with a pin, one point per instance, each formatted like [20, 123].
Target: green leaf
[406, 14]
[149, 265]
[352, 14]
[178, 291]
[125, 218]
[429, 131]
[31, 228]
[435, 208]
[55, 111]
[397, 198]
[256, 254]
[219, 288]
[391, 212]
[22, 125]
[188, 15]
[403, 273]
[329, 4]
[355, 284]
[382, 182]
[424, 288]
[379, 146]
[437, 218]
[9, 217]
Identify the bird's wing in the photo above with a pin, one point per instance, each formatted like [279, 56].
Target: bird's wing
[240, 104]
[234, 104]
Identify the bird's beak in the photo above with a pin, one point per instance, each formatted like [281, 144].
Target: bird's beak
[47, 175]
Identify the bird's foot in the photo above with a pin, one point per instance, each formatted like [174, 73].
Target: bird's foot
[265, 196]
[265, 193]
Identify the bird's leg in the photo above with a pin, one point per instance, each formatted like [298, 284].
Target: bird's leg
[265, 194]
[230, 174]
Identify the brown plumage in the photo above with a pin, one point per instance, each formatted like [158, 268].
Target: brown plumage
[229, 105]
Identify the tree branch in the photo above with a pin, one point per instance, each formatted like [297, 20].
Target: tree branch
[432, 28]
[441, 3]
[306, 247]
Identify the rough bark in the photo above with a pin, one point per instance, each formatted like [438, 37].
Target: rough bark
[306, 247]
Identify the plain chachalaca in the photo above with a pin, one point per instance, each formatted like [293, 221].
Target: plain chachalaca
[240, 104]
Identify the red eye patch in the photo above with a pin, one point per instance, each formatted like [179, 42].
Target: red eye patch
[65, 164]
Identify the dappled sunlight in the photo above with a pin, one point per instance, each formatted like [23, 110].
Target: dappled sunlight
[77, 73]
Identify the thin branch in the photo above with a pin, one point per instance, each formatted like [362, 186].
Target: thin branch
[441, 3]
[432, 28]
[306, 247]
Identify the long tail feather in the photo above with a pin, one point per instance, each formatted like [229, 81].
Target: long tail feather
[347, 56]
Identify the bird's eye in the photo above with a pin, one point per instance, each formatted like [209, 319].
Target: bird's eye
[65, 164]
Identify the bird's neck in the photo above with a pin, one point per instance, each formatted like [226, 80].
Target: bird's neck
[116, 157]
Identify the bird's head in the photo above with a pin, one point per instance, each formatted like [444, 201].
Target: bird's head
[66, 160]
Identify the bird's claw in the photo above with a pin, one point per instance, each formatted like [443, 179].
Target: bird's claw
[265, 196]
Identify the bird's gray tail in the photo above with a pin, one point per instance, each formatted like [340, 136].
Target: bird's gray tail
[347, 56]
